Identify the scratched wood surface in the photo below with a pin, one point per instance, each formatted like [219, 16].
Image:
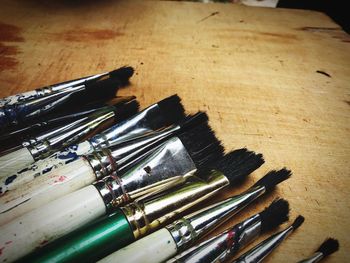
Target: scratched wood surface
[273, 80]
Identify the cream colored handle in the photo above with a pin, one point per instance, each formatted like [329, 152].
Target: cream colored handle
[14, 161]
[156, 247]
[49, 222]
[45, 189]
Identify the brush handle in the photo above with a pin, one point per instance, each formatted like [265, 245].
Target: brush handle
[45, 189]
[49, 222]
[42, 167]
[156, 247]
[89, 243]
[14, 161]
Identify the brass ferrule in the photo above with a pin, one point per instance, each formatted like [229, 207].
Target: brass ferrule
[147, 215]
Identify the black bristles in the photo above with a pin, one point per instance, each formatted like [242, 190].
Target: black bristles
[126, 110]
[298, 222]
[193, 120]
[202, 145]
[273, 178]
[238, 164]
[328, 247]
[274, 215]
[171, 110]
[123, 74]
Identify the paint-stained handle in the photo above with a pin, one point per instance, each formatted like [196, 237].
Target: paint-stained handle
[156, 247]
[45, 189]
[14, 161]
[49, 222]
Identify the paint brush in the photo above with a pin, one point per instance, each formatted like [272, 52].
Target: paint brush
[328, 247]
[23, 107]
[46, 144]
[170, 163]
[181, 234]
[266, 247]
[229, 242]
[147, 214]
[161, 114]
[87, 169]
[22, 133]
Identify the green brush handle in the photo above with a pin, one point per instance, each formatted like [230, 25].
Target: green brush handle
[89, 243]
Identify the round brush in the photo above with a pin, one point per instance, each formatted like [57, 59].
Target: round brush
[328, 247]
[266, 247]
[167, 165]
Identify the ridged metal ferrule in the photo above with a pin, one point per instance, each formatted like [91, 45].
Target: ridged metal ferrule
[147, 215]
[218, 248]
[166, 165]
[71, 133]
[102, 163]
[194, 226]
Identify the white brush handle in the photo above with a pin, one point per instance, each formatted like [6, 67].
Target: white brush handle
[45, 189]
[156, 247]
[49, 222]
[44, 166]
[14, 161]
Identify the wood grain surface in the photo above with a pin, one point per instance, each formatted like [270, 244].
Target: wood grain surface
[273, 80]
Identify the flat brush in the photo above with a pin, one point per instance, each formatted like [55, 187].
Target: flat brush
[45, 145]
[22, 133]
[266, 247]
[22, 107]
[170, 163]
[220, 247]
[328, 247]
[164, 113]
[181, 234]
[145, 215]
[89, 168]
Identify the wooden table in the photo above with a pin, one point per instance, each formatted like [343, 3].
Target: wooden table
[274, 80]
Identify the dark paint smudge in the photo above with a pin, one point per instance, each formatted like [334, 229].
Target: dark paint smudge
[85, 35]
[323, 73]
[10, 179]
[347, 102]
[9, 33]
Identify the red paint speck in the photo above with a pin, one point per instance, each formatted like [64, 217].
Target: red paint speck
[1, 249]
[43, 243]
[60, 179]
[230, 238]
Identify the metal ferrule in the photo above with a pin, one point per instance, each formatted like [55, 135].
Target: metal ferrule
[70, 134]
[316, 257]
[45, 91]
[129, 129]
[262, 250]
[149, 214]
[105, 162]
[218, 248]
[165, 166]
[194, 226]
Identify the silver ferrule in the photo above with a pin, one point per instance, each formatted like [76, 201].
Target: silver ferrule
[102, 163]
[194, 226]
[166, 166]
[316, 257]
[70, 134]
[218, 248]
[136, 126]
[262, 250]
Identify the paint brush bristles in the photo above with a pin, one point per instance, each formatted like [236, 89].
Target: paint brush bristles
[329, 246]
[273, 178]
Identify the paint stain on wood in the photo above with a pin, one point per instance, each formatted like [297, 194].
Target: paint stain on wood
[87, 35]
[347, 102]
[206, 17]
[9, 33]
[334, 32]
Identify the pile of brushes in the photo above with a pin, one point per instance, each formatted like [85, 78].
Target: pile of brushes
[85, 177]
